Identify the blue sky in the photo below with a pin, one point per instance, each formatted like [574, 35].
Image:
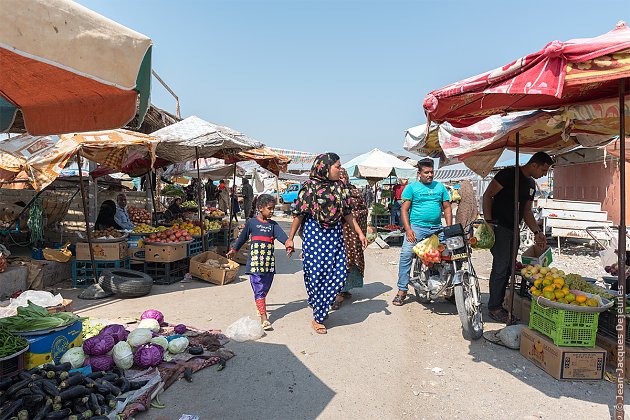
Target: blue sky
[343, 76]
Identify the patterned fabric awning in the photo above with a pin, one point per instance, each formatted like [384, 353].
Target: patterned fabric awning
[296, 157]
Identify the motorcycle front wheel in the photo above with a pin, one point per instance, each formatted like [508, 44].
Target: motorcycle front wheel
[469, 312]
[418, 273]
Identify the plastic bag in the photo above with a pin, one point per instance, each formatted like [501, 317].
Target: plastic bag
[484, 235]
[428, 249]
[455, 196]
[245, 329]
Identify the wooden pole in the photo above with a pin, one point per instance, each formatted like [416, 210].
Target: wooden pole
[86, 217]
[621, 251]
[202, 217]
[517, 231]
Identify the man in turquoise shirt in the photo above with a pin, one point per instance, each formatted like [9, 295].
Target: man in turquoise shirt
[423, 204]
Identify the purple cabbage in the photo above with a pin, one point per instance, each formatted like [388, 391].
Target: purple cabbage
[100, 363]
[153, 313]
[180, 329]
[115, 330]
[98, 345]
[148, 355]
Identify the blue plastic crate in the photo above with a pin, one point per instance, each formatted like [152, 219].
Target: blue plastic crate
[195, 247]
[82, 274]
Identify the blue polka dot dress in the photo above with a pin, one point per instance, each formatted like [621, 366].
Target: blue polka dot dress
[325, 270]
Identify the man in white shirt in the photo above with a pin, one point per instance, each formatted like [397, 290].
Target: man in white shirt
[122, 216]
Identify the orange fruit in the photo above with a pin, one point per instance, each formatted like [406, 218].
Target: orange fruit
[580, 299]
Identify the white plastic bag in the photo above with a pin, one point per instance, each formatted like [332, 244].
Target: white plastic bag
[245, 329]
[511, 336]
[38, 297]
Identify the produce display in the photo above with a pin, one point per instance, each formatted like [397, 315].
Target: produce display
[144, 228]
[429, 250]
[214, 212]
[189, 227]
[173, 191]
[392, 227]
[9, 343]
[189, 205]
[552, 284]
[576, 282]
[51, 392]
[109, 233]
[214, 225]
[34, 317]
[170, 236]
[91, 328]
[138, 215]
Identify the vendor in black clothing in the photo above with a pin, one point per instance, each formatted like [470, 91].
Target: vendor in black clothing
[105, 219]
[174, 210]
[498, 209]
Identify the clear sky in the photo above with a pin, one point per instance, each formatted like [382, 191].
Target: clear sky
[343, 76]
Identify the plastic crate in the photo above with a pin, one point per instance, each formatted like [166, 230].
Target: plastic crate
[381, 220]
[607, 324]
[12, 365]
[565, 328]
[195, 247]
[82, 273]
[167, 272]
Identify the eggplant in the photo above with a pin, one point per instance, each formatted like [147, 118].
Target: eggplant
[195, 350]
[11, 409]
[46, 408]
[101, 388]
[123, 383]
[110, 377]
[99, 397]
[58, 406]
[31, 402]
[58, 414]
[74, 392]
[79, 407]
[37, 390]
[24, 375]
[64, 375]
[17, 386]
[58, 368]
[5, 383]
[51, 374]
[50, 388]
[96, 375]
[23, 392]
[22, 415]
[89, 382]
[135, 385]
[72, 380]
[100, 417]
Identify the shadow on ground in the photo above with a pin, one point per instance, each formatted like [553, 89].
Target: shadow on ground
[263, 381]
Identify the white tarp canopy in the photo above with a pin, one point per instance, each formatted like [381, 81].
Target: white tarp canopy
[378, 165]
[178, 142]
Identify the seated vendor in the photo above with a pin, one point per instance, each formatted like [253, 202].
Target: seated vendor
[106, 216]
[122, 216]
[174, 210]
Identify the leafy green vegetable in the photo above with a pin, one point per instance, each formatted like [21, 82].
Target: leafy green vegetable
[173, 191]
[9, 343]
[485, 236]
[34, 317]
[379, 210]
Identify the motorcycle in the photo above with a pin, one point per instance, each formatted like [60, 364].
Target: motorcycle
[453, 278]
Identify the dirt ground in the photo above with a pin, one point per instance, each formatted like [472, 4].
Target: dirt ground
[375, 362]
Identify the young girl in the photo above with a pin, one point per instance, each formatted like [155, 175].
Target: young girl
[261, 265]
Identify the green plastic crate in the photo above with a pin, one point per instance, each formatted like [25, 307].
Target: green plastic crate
[565, 328]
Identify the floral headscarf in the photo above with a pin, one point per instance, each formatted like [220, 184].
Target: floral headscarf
[324, 200]
[357, 203]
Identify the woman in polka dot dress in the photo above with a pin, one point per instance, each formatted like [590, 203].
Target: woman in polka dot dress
[322, 204]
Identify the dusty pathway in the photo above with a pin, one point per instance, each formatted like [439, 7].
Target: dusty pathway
[375, 362]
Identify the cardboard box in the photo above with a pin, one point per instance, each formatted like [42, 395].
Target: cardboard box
[240, 257]
[66, 306]
[563, 363]
[610, 345]
[165, 253]
[103, 251]
[50, 347]
[137, 255]
[535, 255]
[212, 273]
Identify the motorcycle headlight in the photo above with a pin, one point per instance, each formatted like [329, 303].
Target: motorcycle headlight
[455, 242]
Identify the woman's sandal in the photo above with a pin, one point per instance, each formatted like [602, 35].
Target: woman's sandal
[399, 300]
[337, 303]
[266, 325]
[319, 328]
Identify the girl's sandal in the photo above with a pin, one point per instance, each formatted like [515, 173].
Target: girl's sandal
[319, 328]
[266, 325]
[337, 303]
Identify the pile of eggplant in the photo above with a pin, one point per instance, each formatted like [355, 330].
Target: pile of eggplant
[52, 392]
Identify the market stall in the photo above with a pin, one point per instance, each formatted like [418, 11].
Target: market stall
[579, 75]
[58, 365]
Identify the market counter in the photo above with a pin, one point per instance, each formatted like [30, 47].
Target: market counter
[14, 278]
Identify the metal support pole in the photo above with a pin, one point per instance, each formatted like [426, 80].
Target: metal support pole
[86, 217]
[202, 217]
[621, 251]
[229, 233]
[152, 187]
[517, 231]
